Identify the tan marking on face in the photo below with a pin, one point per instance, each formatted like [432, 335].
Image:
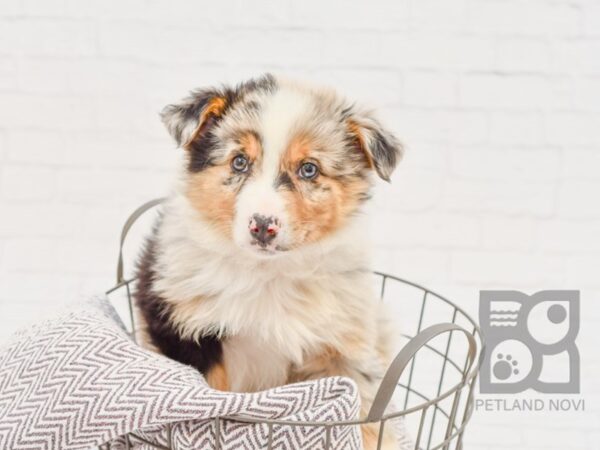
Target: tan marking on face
[298, 150]
[207, 194]
[251, 145]
[312, 219]
[217, 377]
[319, 207]
[209, 190]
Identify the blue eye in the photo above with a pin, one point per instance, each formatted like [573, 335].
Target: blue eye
[308, 171]
[240, 164]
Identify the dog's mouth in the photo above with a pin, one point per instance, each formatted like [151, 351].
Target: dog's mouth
[267, 251]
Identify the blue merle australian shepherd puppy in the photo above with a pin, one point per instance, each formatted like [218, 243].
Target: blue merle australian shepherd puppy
[257, 273]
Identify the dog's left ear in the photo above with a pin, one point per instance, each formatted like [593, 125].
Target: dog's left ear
[194, 115]
[382, 150]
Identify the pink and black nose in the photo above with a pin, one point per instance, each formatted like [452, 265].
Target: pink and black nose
[263, 229]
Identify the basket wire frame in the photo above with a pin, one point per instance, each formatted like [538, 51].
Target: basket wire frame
[432, 417]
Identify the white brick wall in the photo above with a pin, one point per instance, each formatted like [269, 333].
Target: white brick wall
[498, 102]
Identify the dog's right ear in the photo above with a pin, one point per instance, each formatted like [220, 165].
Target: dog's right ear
[189, 119]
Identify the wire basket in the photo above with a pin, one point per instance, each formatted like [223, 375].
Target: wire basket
[431, 381]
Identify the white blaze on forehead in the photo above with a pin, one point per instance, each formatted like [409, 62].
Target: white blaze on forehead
[281, 115]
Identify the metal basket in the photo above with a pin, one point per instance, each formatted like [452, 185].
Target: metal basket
[435, 405]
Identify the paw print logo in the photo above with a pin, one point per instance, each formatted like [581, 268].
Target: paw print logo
[523, 334]
[511, 361]
[505, 367]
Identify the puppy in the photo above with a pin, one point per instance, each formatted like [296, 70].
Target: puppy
[257, 273]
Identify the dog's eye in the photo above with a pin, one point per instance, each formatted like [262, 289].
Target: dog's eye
[240, 164]
[308, 171]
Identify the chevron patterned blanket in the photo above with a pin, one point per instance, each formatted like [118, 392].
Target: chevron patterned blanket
[78, 381]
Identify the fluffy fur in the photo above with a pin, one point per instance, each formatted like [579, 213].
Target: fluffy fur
[257, 273]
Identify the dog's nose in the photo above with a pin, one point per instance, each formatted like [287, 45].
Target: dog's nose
[263, 229]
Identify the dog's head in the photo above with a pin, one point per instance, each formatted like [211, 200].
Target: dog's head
[274, 165]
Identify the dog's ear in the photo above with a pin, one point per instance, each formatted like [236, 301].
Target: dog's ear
[382, 150]
[194, 115]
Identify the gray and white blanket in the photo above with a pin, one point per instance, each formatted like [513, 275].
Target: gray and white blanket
[78, 381]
